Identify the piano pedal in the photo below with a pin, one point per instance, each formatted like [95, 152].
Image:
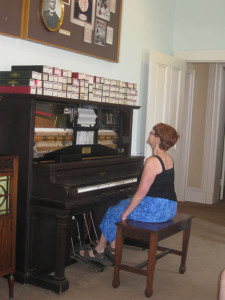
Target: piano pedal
[97, 266]
[107, 262]
[87, 224]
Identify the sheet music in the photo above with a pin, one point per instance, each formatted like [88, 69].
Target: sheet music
[87, 117]
[85, 137]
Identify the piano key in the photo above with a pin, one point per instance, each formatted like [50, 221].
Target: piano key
[105, 185]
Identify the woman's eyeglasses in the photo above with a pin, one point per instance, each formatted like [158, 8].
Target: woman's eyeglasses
[154, 133]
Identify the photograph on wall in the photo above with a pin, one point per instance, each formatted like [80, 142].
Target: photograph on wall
[87, 33]
[52, 13]
[100, 32]
[113, 6]
[109, 35]
[103, 9]
[83, 11]
[67, 2]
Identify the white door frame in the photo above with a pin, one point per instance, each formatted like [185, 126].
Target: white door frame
[210, 56]
[222, 173]
[188, 104]
[215, 144]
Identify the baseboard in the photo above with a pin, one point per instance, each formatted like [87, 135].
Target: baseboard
[195, 195]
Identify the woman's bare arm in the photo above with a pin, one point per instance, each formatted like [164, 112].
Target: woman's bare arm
[151, 169]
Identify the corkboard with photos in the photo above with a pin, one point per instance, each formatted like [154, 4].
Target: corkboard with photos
[90, 27]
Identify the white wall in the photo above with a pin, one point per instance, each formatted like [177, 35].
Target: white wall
[199, 25]
[146, 25]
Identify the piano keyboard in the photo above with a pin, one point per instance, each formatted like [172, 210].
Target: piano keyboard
[105, 185]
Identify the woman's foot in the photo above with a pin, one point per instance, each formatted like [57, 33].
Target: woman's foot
[92, 255]
[110, 253]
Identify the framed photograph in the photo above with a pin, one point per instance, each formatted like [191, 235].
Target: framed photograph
[52, 13]
[83, 11]
[67, 2]
[103, 9]
[100, 32]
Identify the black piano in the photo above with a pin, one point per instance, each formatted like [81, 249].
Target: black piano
[61, 177]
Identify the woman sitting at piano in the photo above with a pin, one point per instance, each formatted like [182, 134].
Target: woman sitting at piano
[155, 199]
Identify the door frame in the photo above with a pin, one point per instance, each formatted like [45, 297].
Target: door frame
[188, 105]
[216, 138]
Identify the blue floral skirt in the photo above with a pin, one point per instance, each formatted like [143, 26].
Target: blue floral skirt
[152, 210]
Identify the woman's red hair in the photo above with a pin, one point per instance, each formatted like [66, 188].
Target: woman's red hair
[167, 134]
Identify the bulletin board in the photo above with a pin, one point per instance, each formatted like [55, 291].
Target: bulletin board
[98, 37]
[12, 17]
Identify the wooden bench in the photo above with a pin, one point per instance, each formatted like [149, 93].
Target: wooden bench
[151, 233]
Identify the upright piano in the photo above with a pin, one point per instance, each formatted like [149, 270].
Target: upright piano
[74, 157]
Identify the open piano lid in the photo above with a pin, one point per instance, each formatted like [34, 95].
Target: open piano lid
[77, 152]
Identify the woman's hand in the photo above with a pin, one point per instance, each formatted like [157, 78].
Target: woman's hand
[124, 216]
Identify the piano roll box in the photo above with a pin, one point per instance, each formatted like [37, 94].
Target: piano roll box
[37, 68]
[20, 82]
[20, 74]
[10, 89]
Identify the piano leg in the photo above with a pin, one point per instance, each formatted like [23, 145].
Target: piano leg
[62, 222]
[33, 241]
[55, 224]
[61, 232]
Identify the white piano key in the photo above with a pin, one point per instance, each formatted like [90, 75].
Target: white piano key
[105, 185]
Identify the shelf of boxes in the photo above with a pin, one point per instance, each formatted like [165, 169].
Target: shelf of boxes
[56, 82]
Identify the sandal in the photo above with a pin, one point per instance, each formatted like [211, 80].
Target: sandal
[99, 257]
[110, 253]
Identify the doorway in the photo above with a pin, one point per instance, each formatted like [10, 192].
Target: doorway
[206, 102]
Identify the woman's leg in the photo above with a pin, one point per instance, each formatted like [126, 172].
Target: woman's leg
[113, 244]
[113, 215]
[108, 227]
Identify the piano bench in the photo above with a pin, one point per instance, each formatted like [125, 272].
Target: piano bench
[151, 233]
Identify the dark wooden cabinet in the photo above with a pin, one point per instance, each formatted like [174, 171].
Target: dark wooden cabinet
[8, 212]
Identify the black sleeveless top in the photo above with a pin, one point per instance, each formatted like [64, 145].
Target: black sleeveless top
[163, 185]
